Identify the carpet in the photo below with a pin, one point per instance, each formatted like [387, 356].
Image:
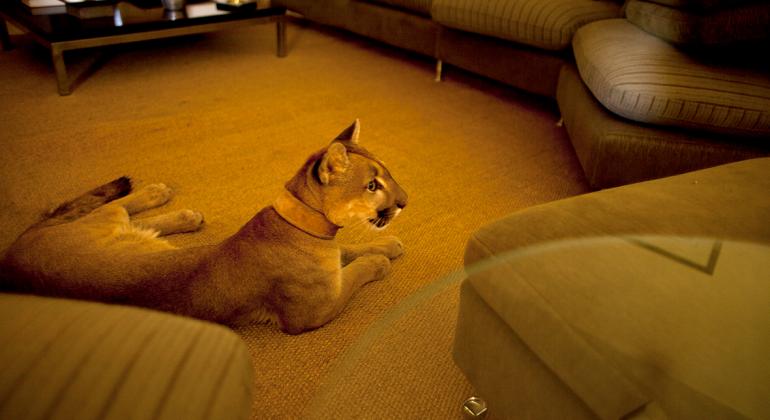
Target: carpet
[224, 122]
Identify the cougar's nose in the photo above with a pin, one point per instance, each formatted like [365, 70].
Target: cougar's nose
[401, 199]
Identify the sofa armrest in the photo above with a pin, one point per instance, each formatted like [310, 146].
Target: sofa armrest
[73, 359]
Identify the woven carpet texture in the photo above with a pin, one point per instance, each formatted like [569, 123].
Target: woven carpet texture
[224, 122]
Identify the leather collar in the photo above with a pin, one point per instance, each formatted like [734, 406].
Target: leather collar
[304, 217]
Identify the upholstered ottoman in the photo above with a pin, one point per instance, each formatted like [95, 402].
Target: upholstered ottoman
[69, 359]
[649, 299]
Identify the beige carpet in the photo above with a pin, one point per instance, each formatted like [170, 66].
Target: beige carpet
[225, 122]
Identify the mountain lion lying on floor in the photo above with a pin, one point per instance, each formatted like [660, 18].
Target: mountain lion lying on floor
[283, 266]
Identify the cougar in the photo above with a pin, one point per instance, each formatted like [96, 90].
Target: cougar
[283, 266]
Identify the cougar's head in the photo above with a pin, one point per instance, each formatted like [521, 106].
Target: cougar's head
[354, 186]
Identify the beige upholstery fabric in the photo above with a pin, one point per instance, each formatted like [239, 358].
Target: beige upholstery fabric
[718, 28]
[419, 6]
[66, 359]
[394, 26]
[543, 24]
[512, 380]
[643, 78]
[689, 337]
[728, 201]
[614, 151]
[675, 323]
[529, 69]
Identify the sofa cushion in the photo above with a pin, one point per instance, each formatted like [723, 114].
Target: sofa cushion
[734, 25]
[418, 6]
[614, 151]
[82, 360]
[641, 77]
[543, 24]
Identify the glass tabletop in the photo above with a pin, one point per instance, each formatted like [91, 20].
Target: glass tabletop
[87, 19]
[584, 297]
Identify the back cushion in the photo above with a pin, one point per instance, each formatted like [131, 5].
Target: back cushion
[543, 24]
[643, 78]
[719, 27]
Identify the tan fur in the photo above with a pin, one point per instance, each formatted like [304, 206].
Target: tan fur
[268, 271]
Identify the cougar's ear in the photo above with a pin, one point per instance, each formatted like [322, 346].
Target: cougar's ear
[335, 161]
[351, 133]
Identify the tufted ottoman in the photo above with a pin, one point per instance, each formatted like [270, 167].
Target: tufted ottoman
[649, 299]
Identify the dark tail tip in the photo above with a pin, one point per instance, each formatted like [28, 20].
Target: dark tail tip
[91, 200]
[120, 187]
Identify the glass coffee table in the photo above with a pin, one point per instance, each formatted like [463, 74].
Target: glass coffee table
[594, 327]
[97, 23]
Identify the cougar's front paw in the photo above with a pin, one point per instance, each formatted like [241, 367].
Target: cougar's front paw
[189, 221]
[391, 246]
[380, 265]
[156, 195]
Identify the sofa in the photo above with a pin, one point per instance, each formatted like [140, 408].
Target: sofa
[642, 301]
[646, 89]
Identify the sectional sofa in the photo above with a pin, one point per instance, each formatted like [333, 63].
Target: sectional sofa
[646, 89]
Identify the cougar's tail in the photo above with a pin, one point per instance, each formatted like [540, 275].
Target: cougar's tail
[80, 206]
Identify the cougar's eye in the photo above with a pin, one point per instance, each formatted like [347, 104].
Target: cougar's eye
[372, 186]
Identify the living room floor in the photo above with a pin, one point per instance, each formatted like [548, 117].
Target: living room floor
[225, 122]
